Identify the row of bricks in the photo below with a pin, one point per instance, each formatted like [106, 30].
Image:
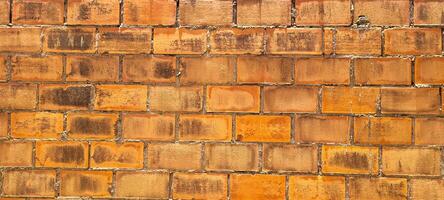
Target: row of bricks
[157, 185]
[221, 12]
[247, 128]
[303, 41]
[224, 70]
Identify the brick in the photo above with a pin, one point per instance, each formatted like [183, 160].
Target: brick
[320, 129]
[3, 68]
[316, 187]
[290, 99]
[121, 97]
[358, 41]
[320, 12]
[268, 12]
[428, 12]
[149, 12]
[429, 131]
[4, 12]
[381, 71]
[273, 70]
[205, 127]
[36, 125]
[92, 68]
[69, 40]
[207, 70]
[350, 159]
[179, 41]
[36, 68]
[4, 124]
[18, 96]
[303, 41]
[263, 128]
[378, 188]
[349, 99]
[429, 71]
[38, 183]
[113, 155]
[238, 157]
[233, 99]
[413, 41]
[170, 98]
[382, 130]
[205, 12]
[65, 97]
[288, 157]
[61, 154]
[257, 186]
[322, 71]
[92, 125]
[411, 161]
[20, 39]
[86, 183]
[174, 156]
[93, 12]
[158, 69]
[128, 184]
[410, 100]
[329, 37]
[199, 186]
[384, 13]
[427, 189]
[124, 40]
[15, 154]
[148, 127]
[237, 41]
[38, 12]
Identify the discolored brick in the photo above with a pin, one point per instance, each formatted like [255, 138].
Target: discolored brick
[288, 157]
[4, 11]
[38, 12]
[36, 183]
[237, 41]
[384, 13]
[36, 68]
[410, 100]
[61, 154]
[4, 124]
[303, 41]
[205, 12]
[320, 129]
[18, 96]
[322, 71]
[263, 128]
[205, 127]
[121, 97]
[86, 183]
[257, 186]
[92, 68]
[290, 99]
[149, 12]
[93, 12]
[3, 68]
[428, 12]
[238, 157]
[124, 40]
[170, 98]
[382, 130]
[233, 99]
[199, 186]
[157, 69]
[413, 41]
[15, 154]
[429, 70]
[378, 188]
[427, 189]
[350, 159]
[114, 155]
[381, 71]
[128, 184]
[316, 187]
[72, 40]
[263, 12]
[429, 131]
[263, 69]
[179, 41]
[148, 127]
[174, 156]
[64, 97]
[92, 125]
[411, 161]
[320, 12]
[206, 70]
[20, 39]
[349, 99]
[36, 125]
[358, 41]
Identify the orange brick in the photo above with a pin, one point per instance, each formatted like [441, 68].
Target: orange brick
[18, 96]
[149, 12]
[233, 99]
[38, 12]
[379, 71]
[113, 155]
[382, 130]
[205, 12]
[36, 68]
[61, 154]
[428, 12]
[93, 12]
[358, 41]
[148, 127]
[3, 68]
[128, 184]
[4, 12]
[15, 154]
[92, 68]
[320, 12]
[205, 127]
[73, 40]
[378, 188]
[239, 157]
[179, 41]
[427, 189]
[170, 98]
[64, 97]
[411, 161]
[92, 125]
[322, 71]
[290, 99]
[237, 41]
[264, 12]
[413, 41]
[158, 69]
[20, 39]
[429, 71]
[202, 70]
[329, 37]
[263, 128]
[124, 40]
[174, 156]
[316, 187]
[349, 99]
[304, 41]
[38, 183]
[121, 97]
[264, 69]
[410, 100]
[386, 13]
[288, 157]
[86, 183]
[36, 125]
[429, 131]
[350, 159]
[4, 124]
[319, 129]
[257, 186]
[199, 186]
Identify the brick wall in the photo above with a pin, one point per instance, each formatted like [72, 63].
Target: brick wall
[222, 99]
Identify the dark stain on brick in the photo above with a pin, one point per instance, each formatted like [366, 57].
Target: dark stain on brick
[70, 39]
[420, 40]
[163, 70]
[228, 40]
[86, 183]
[79, 96]
[102, 154]
[422, 12]
[295, 41]
[67, 154]
[351, 160]
[199, 186]
[85, 67]
[126, 37]
[23, 186]
[84, 125]
[192, 127]
[194, 45]
[84, 12]
[31, 11]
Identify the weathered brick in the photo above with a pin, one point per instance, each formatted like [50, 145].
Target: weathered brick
[263, 12]
[288, 157]
[410, 161]
[18, 96]
[428, 12]
[237, 41]
[128, 184]
[358, 41]
[257, 186]
[382, 130]
[36, 68]
[61, 154]
[316, 187]
[263, 128]
[4, 124]
[148, 127]
[179, 41]
[20, 39]
[92, 68]
[121, 97]
[93, 12]
[205, 12]
[113, 155]
[199, 186]
[149, 12]
[64, 97]
[4, 11]
[264, 69]
[203, 70]
[350, 159]
[378, 188]
[36, 125]
[332, 129]
[429, 70]
[124, 40]
[384, 13]
[170, 98]
[329, 37]
[86, 183]
[3, 68]
[304, 41]
[427, 189]
[16, 154]
[239, 157]
[413, 41]
[410, 100]
[92, 125]
[73, 40]
[158, 69]
[174, 156]
[233, 99]
[322, 71]
[290, 99]
[38, 12]
[349, 99]
[429, 131]
[205, 127]
[380, 71]
[320, 12]
[40, 183]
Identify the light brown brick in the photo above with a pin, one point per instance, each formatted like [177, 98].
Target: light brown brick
[264, 12]
[92, 68]
[428, 12]
[36, 68]
[199, 186]
[411, 161]
[3, 68]
[320, 12]
[413, 41]
[427, 189]
[316, 187]
[113, 155]
[128, 184]
[158, 69]
[320, 129]
[380, 71]
[233, 99]
[4, 124]
[36, 125]
[263, 128]
[38, 12]
[322, 71]
[148, 127]
[378, 188]
[290, 99]
[358, 41]
[382, 130]
[384, 13]
[410, 100]
[61, 154]
[288, 157]
[93, 12]
[237, 41]
[121, 97]
[16, 154]
[18, 96]
[174, 156]
[4, 11]
[86, 183]
[206, 70]
[429, 70]
[303, 41]
[72, 40]
[170, 98]
[205, 12]
[257, 186]
[92, 125]
[429, 131]
[124, 40]
[149, 12]
[329, 37]
[179, 41]
[350, 159]
[65, 97]
[349, 99]
[20, 39]
[239, 157]
[261, 69]
[40, 183]
[205, 127]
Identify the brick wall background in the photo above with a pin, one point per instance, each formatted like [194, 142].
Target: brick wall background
[222, 99]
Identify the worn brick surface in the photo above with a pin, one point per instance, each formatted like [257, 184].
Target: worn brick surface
[38, 12]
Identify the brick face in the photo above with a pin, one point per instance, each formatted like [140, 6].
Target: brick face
[246, 186]
[384, 12]
[279, 157]
[382, 130]
[319, 12]
[350, 159]
[179, 41]
[199, 186]
[149, 12]
[413, 41]
[113, 155]
[322, 71]
[87, 12]
[237, 41]
[20, 39]
[429, 71]
[411, 161]
[383, 71]
[316, 187]
[92, 68]
[428, 12]
[290, 99]
[36, 125]
[38, 183]
[269, 12]
[303, 41]
[38, 12]
[261, 128]
[335, 129]
[374, 188]
[47, 68]
[349, 100]
[128, 184]
[205, 12]
[264, 70]
[410, 100]
[233, 99]
[74, 182]
[16, 154]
